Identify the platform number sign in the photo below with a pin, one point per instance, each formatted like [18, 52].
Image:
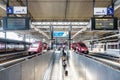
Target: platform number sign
[110, 11]
[16, 10]
[103, 11]
[10, 10]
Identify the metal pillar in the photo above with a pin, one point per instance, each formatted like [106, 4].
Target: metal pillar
[24, 39]
[92, 43]
[51, 40]
[112, 2]
[119, 39]
[93, 7]
[70, 28]
[7, 5]
[5, 42]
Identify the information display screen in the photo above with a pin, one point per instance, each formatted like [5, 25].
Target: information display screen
[63, 34]
[16, 23]
[104, 23]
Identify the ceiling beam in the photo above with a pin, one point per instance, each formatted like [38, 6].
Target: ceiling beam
[60, 23]
[82, 30]
[2, 5]
[85, 19]
[117, 4]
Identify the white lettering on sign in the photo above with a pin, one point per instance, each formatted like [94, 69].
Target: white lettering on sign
[100, 11]
[20, 10]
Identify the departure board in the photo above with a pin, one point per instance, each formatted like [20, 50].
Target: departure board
[15, 23]
[104, 24]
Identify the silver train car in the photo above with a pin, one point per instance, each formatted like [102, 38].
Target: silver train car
[110, 48]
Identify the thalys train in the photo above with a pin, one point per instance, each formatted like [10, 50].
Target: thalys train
[8, 45]
[80, 47]
[111, 48]
[37, 47]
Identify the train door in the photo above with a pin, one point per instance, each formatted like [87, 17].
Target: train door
[105, 47]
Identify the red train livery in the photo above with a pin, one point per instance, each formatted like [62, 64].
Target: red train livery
[80, 47]
[36, 47]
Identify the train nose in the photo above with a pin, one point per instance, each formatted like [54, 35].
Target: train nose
[82, 49]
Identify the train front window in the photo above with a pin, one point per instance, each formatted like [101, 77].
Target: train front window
[35, 45]
[82, 45]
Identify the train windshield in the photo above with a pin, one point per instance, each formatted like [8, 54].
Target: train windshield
[82, 45]
[35, 45]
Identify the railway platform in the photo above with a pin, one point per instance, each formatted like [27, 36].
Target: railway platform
[48, 66]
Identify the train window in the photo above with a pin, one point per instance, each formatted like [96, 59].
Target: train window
[2, 46]
[119, 46]
[81, 44]
[101, 46]
[108, 46]
[112, 46]
[21, 46]
[115, 46]
[35, 45]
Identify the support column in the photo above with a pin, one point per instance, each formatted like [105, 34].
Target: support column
[24, 39]
[70, 28]
[119, 40]
[112, 2]
[92, 43]
[51, 40]
[7, 5]
[5, 41]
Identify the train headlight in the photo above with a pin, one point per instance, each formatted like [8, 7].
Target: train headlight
[82, 49]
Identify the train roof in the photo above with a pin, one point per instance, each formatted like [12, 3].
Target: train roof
[13, 41]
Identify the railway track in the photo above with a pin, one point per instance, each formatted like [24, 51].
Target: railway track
[111, 61]
[106, 56]
[12, 56]
[11, 59]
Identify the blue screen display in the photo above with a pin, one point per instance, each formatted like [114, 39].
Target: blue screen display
[61, 34]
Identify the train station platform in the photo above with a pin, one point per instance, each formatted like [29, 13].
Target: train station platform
[48, 66]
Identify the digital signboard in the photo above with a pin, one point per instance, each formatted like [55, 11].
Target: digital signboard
[16, 23]
[62, 34]
[104, 24]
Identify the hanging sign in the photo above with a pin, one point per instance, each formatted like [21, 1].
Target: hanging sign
[103, 11]
[100, 11]
[17, 10]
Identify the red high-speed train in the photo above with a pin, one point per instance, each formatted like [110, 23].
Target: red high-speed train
[80, 47]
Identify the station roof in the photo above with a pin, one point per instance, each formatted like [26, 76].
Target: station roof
[63, 11]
